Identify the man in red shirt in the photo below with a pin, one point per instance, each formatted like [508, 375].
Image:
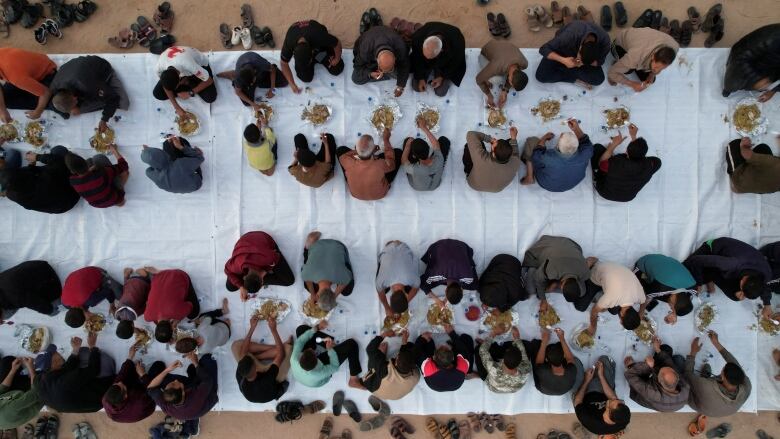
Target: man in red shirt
[171, 299]
[97, 180]
[84, 288]
[256, 261]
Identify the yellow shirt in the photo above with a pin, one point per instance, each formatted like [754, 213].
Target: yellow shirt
[261, 157]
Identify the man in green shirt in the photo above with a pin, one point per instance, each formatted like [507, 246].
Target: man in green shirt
[327, 271]
[314, 370]
[19, 401]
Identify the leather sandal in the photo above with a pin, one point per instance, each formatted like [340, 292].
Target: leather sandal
[257, 35]
[657, 18]
[695, 18]
[503, 25]
[31, 14]
[125, 39]
[557, 14]
[247, 20]
[163, 17]
[268, 37]
[492, 25]
[716, 32]
[645, 19]
[141, 37]
[13, 10]
[585, 14]
[225, 36]
[675, 31]
[533, 21]
[709, 19]
[543, 16]
[686, 32]
[567, 17]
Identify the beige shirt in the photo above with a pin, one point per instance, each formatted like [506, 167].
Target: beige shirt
[366, 178]
[639, 44]
[500, 55]
[759, 175]
[315, 176]
[620, 284]
[488, 175]
[394, 385]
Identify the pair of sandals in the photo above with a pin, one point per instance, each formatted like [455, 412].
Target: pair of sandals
[498, 26]
[621, 17]
[327, 429]
[554, 434]
[49, 27]
[537, 17]
[45, 428]
[66, 14]
[399, 427]
[714, 24]
[370, 18]
[163, 17]
[83, 430]
[650, 18]
[682, 34]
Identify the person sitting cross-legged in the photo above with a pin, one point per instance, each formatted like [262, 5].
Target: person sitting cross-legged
[390, 378]
[315, 370]
[716, 395]
[186, 398]
[19, 399]
[369, 175]
[445, 368]
[503, 366]
[422, 163]
[325, 264]
[657, 382]
[85, 288]
[643, 51]
[256, 261]
[556, 370]
[257, 380]
[312, 169]
[596, 405]
[184, 72]
[561, 168]
[438, 53]
[127, 401]
[493, 169]
[620, 177]
[171, 299]
[97, 180]
[380, 54]
[575, 55]
[176, 167]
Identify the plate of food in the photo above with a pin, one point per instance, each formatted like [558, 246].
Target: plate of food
[748, 118]
[189, 124]
[646, 330]
[33, 339]
[580, 339]
[706, 314]
[271, 308]
[501, 322]
[396, 323]
[547, 109]
[316, 114]
[96, 322]
[430, 115]
[313, 313]
[496, 118]
[11, 132]
[35, 133]
[102, 140]
[549, 318]
[617, 117]
[143, 338]
[264, 109]
[385, 115]
[768, 326]
[437, 316]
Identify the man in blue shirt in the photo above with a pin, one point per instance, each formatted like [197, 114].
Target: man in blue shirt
[313, 370]
[561, 168]
[666, 279]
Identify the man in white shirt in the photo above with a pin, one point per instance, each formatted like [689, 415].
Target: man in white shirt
[621, 291]
[184, 72]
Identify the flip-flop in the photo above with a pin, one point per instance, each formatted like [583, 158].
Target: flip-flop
[695, 18]
[585, 14]
[86, 431]
[338, 402]
[645, 19]
[31, 14]
[543, 16]
[657, 17]
[146, 27]
[40, 35]
[225, 35]
[380, 406]
[686, 32]
[452, 427]
[761, 434]
[76, 430]
[465, 429]
[503, 25]
[257, 35]
[67, 14]
[124, 40]
[444, 431]
[247, 19]
[675, 31]
[567, 17]
[52, 28]
[13, 12]
[557, 14]
[665, 28]
[53, 427]
[140, 36]
[493, 25]
[326, 428]
[533, 21]
[498, 421]
[29, 432]
[473, 418]
[621, 16]
[716, 32]
[720, 431]
[511, 431]
[352, 410]
[709, 19]
[374, 423]
[432, 427]
[268, 37]
[606, 18]
[5, 28]
[163, 17]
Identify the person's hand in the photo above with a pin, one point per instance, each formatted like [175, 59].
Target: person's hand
[545, 334]
[513, 132]
[671, 318]
[183, 95]
[5, 116]
[28, 363]
[490, 101]
[386, 135]
[140, 369]
[559, 332]
[398, 91]
[420, 123]
[75, 343]
[16, 364]
[112, 306]
[112, 149]
[102, 126]
[543, 305]
[388, 333]
[632, 130]
[714, 339]
[745, 142]
[322, 325]
[548, 136]
[650, 361]
[334, 60]
[92, 339]
[571, 62]
[254, 320]
[573, 124]
[628, 361]
[383, 347]
[295, 89]
[270, 93]
[329, 343]
[180, 112]
[695, 346]
[437, 82]
[31, 157]
[448, 328]
[767, 95]
[656, 344]
[261, 120]
[618, 139]
[638, 86]
[176, 141]
[590, 373]
[600, 368]
[244, 294]
[33, 114]
[502, 98]
[766, 312]
[132, 351]
[376, 75]
[421, 85]
[405, 336]
[271, 324]
[173, 366]
[515, 333]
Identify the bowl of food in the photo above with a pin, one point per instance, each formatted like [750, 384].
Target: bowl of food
[547, 109]
[705, 316]
[496, 118]
[499, 323]
[35, 134]
[11, 132]
[265, 110]
[33, 339]
[748, 118]
[143, 338]
[617, 117]
[768, 326]
[316, 114]
[548, 318]
[188, 125]
[96, 322]
[385, 115]
[313, 313]
[437, 316]
[102, 140]
[272, 308]
[580, 339]
[430, 115]
[646, 330]
[396, 322]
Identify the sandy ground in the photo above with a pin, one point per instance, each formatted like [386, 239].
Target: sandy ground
[196, 25]
[197, 22]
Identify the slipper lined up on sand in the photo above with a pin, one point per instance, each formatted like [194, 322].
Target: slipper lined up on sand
[720, 431]
[695, 18]
[621, 16]
[125, 39]
[585, 14]
[644, 20]
[606, 18]
[557, 14]
[163, 17]
[686, 33]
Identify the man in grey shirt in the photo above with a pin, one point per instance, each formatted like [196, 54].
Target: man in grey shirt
[423, 164]
[326, 262]
[397, 273]
[556, 264]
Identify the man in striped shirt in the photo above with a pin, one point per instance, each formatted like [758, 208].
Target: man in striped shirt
[97, 180]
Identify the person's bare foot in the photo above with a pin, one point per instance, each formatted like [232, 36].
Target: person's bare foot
[225, 307]
[584, 85]
[312, 238]
[710, 287]
[127, 272]
[354, 382]
[150, 269]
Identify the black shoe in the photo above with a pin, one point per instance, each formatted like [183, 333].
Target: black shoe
[376, 19]
[657, 18]
[621, 17]
[338, 401]
[645, 19]
[40, 35]
[606, 18]
[365, 22]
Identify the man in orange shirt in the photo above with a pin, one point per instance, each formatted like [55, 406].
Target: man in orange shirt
[26, 77]
[368, 175]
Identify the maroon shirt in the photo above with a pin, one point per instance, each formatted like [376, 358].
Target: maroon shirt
[97, 187]
[255, 250]
[138, 405]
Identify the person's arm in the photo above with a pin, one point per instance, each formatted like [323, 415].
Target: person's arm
[585, 382]
[389, 153]
[567, 354]
[244, 98]
[407, 150]
[203, 85]
[616, 141]
[542, 352]
[337, 50]
[604, 385]
[270, 93]
[301, 341]
[383, 300]
[484, 355]
[617, 72]
[594, 318]
[375, 354]
[9, 378]
[636, 374]
[36, 88]
[110, 102]
[5, 116]
[412, 293]
[431, 138]
[696, 264]
[287, 73]
[158, 380]
[280, 351]
[247, 342]
[326, 142]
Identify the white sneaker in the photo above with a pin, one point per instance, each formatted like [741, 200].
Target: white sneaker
[236, 37]
[246, 38]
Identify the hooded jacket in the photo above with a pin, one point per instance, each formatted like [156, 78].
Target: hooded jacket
[41, 188]
[180, 176]
[754, 57]
[31, 284]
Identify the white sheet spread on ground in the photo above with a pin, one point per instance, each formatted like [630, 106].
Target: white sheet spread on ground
[688, 201]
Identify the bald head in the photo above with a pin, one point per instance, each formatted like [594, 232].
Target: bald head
[386, 61]
[668, 378]
[432, 47]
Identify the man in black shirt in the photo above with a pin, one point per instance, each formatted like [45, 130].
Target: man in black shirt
[596, 405]
[620, 177]
[556, 369]
[257, 383]
[309, 43]
[252, 71]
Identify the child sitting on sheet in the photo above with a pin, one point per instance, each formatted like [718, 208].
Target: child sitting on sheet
[176, 167]
[260, 146]
[97, 180]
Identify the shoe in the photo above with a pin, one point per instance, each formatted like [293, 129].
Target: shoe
[543, 17]
[674, 30]
[338, 402]
[246, 38]
[621, 16]
[268, 37]
[235, 39]
[40, 35]
[226, 36]
[716, 32]
[709, 19]
[52, 28]
[645, 19]
[533, 21]
[606, 18]
[657, 18]
[695, 18]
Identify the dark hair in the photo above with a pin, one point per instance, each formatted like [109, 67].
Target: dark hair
[444, 358]
[398, 302]
[186, 345]
[253, 282]
[308, 359]
[405, 361]
[503, 151]
[115, 395]
[554, 354]
[252, 133]
[754, 286]
[512, 357]
[125, 329]
[306, 158]
[246, 75]
[684, 305]
[570, 289]
[637, 149]
[76, 164]
[589, 52]
[420, 149]
[620, 415]
[163, 332]
[245, 366]
[173, 396]
[454, 293]
[64, 100]
[519, 80]
[169, 79]
[75, 317]
[630, 319]
[665, 55]
[302, 54]
[733, 374]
